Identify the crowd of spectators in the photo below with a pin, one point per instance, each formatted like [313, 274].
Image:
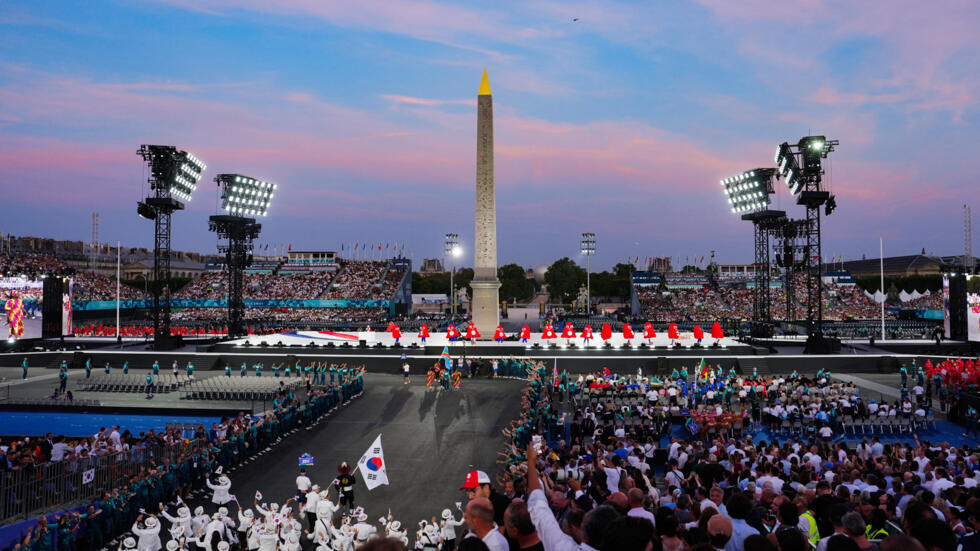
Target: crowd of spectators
[724, 301]
[597, 489]
[155, 467]
[359, 279]
[86, 285]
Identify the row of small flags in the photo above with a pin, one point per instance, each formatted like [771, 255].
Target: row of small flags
[364, 246]
[283, 247]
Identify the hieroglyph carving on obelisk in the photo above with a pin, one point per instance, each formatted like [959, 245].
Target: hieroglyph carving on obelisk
[485, 284]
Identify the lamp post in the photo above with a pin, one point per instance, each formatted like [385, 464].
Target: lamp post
[588, 249]
[452, 250]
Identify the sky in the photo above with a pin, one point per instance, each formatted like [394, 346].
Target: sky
[617, 118]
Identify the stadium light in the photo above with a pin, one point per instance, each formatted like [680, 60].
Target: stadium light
[173, 177]
[452, 250]
[749, 191]
[245, 196]
[588, 249]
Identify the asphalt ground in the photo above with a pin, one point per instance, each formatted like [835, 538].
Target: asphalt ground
[431, 439]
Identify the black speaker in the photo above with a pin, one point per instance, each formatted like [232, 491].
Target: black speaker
[51, 307]
[957, 308]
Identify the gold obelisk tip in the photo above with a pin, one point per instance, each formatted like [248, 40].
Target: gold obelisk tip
[484, 85]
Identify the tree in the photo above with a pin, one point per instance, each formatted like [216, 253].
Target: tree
[514, 283]
[564, 278]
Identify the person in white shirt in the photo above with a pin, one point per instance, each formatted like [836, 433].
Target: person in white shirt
[58, 449]
[613, 473]
[635, 496]
[479, 518]
[303, 483]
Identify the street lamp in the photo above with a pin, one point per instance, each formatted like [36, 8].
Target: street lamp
[588, 249]
[452, 251]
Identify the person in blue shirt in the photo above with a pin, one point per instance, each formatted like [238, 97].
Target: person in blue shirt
[149, 385]
[23, 364]
[63, 378]
[126, 367]
[227, 370]
[275, 370]
[190, 369]
[156, 367]
[244, 369]
[107, 367]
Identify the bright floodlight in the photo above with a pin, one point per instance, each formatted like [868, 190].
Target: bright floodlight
[189, 169]
[452, 245]
[749, 191]
[244, 195]
[588, 243]
[173, 170]
[789, 168]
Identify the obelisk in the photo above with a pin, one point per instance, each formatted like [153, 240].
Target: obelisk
[485, 284]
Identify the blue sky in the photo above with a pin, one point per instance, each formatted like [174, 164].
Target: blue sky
[620, 123]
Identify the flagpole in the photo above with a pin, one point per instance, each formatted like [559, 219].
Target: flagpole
[118, 255]
[881, 267]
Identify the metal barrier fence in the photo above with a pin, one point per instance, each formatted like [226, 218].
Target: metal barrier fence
[27, 493]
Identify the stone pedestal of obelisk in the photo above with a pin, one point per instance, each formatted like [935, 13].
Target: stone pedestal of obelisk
[485, 284]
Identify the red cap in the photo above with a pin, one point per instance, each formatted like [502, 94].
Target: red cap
[474, 479]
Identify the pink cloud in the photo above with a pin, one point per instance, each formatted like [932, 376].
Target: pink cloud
[426, 102]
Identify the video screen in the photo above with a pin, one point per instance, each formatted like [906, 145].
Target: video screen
[973, 308]
[21, 299]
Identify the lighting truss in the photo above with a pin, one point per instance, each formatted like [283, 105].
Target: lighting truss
[174, 174]
[801, 166]
[244, 195]
[749, 191]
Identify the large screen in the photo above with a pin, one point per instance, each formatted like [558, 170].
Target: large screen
[21, 301]
[973, 308]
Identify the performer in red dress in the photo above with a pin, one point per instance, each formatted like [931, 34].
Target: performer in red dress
[649, 333]
[525, 334]
[568, 333]
[471, 332]
[587, 334]
[499, 335]
[423, 332]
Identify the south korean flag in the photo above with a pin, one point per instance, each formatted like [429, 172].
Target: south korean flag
[372, 465]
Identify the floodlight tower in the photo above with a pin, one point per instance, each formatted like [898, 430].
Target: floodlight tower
[241, 197]
[801, 165]
[173, 175]
[452, 251]
[749, 193]
[588, 249]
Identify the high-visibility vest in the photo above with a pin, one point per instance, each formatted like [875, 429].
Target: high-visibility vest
[814, 535]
